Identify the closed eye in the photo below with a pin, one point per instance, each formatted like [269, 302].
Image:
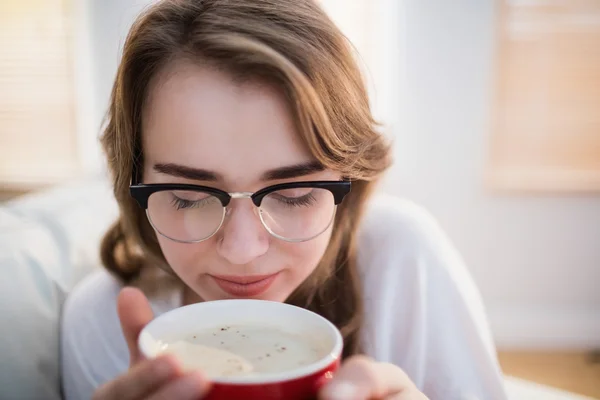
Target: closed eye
[182, 203]
[305, 200]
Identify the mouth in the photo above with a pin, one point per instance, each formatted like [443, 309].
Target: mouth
[244, 286]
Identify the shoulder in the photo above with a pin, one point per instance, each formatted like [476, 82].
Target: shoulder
[398, 233]
[401, 245]
[90, 318]
[410, 271]
[417, 286]
[93, 299]
[391, 219]
[403, 256]
[402, 249]
[91, 337]
[93, 348]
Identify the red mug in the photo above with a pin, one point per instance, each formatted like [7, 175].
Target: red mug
[301, 383]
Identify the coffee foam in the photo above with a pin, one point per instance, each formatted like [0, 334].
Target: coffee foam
[242, 350]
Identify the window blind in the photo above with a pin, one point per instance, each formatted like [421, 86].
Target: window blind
[546, 116]
[37, 110]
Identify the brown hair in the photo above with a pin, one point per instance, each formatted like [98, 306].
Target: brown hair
[289, 43]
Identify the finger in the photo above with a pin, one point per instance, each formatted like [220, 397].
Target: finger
[191, 386]
[141, 380]
[361, 378]
[134, 313]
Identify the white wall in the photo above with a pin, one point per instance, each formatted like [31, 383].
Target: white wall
[110, 23]
[101, 27]
[535, 258]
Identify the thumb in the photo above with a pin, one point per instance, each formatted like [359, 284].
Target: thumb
[134, 313]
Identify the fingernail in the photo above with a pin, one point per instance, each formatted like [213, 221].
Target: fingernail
[341, 391]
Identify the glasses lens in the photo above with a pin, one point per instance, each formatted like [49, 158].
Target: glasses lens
[185, 215]
[298, 214]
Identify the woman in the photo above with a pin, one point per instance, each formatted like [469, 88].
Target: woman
[258, 107]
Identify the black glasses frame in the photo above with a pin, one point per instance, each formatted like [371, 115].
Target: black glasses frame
[142, 192]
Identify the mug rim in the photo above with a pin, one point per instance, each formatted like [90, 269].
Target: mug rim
[145, 341]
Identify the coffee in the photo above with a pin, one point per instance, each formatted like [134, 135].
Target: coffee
[241, 350]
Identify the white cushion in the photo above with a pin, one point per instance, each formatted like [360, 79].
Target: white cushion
[48, 242]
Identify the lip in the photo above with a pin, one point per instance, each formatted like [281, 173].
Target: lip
[244, 286]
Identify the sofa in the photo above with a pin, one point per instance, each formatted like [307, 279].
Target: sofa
[49, 241]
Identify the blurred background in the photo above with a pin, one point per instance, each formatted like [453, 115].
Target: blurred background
[494, 109]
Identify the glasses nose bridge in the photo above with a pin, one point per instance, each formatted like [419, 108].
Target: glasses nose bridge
[241, 195]
[238, 195]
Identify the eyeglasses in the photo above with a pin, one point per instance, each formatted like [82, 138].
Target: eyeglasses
[293, 212]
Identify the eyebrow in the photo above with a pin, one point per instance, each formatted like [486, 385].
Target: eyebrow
[182, 171]
[198, 174]
[293, 171]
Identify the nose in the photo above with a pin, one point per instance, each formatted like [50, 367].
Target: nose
[243, 238]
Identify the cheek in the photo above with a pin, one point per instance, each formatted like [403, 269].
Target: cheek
[184, 258]
[302, 258]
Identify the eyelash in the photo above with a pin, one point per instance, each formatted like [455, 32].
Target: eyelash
[306, 200]
[183, 204]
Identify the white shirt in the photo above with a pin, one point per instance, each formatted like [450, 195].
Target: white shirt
[422, 313]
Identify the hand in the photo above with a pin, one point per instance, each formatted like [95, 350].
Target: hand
[360, 378]
[156, 379]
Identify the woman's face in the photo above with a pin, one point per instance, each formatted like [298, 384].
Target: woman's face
[213, 132]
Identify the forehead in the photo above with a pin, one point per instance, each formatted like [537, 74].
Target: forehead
[199, 117]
